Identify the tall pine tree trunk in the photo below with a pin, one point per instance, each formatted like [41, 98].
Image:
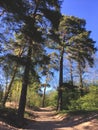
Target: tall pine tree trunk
[25, 81]
[71, 71]
[59, 102]
[22, 102]
[80, 77]
[44, 94]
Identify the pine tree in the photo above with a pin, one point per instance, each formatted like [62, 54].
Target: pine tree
[74, 40]
[33, 19]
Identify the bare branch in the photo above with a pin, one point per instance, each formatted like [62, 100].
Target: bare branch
[1, 13]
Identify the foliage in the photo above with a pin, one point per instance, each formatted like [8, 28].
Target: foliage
[14, 94]
[73, 41]
[33, 98]
[70, 93]
[31, 22]
[87, 102]
[31, 18]
[51, 99]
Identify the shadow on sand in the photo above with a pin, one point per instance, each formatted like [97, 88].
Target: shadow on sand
[70, 120]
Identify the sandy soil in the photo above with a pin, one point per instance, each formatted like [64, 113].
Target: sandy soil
[46, 119]
[4, 126]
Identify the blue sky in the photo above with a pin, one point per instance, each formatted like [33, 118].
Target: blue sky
[86, 9]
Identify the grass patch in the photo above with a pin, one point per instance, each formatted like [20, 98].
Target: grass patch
[63, 112]
[83, 112]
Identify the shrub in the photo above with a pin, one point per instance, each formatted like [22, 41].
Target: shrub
[87, 102]
[51, 99]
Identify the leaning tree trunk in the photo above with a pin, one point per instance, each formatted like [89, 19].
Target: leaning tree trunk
[59, 102]
[9, 87]
[25, 81]
[12, 80]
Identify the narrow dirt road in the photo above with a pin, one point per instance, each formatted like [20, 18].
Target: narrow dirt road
[46, 119]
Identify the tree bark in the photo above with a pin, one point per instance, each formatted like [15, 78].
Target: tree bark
[9, 87]
[22, 102]
[59, 102]
[81, 81]
[71, 71]
[43, 100]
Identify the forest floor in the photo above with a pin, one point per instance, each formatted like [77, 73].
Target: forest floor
[48, 119]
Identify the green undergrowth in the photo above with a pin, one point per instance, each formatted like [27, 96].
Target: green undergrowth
[79, 112]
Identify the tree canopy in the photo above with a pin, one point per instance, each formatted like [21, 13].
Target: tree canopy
[36, 41]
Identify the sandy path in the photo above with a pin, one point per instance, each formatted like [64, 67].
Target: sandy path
[4, 126]
[46, 119]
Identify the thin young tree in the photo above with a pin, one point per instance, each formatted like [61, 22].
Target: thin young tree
[18, 51]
